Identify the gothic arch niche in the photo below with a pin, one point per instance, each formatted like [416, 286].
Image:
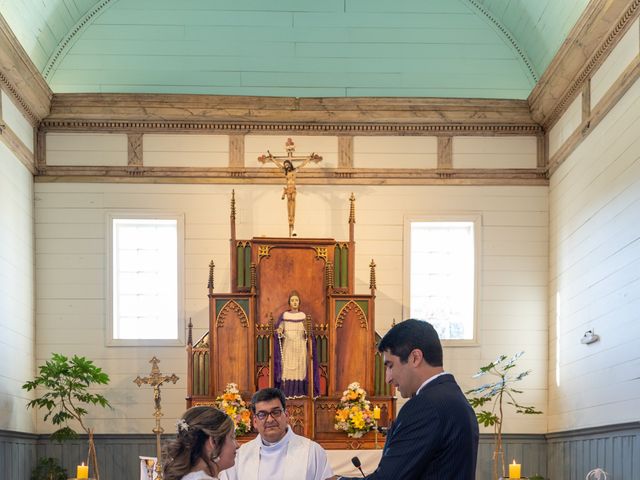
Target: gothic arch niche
[231, 329]
[353, 342]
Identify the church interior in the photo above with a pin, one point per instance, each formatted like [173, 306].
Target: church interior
[519, 120]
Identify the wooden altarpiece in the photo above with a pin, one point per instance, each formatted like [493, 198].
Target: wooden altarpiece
[239, 346]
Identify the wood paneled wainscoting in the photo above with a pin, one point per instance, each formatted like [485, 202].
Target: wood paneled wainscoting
[557, 456]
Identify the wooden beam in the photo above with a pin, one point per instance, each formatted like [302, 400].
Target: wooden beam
[598, 30]
[314, 116]
[445, 152]
[20, 77]
[597, 113]
[382, 176]
[236, 151]
[345, 152]
[19, 149]
[134, 150]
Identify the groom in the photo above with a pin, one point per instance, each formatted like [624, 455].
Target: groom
[435, 436]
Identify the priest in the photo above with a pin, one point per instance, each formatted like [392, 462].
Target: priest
[277, 452]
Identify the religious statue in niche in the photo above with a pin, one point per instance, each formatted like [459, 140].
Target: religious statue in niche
[286, 164]
[294, 347]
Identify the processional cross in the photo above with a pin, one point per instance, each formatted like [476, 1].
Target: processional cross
[286, 164]
[156, 379]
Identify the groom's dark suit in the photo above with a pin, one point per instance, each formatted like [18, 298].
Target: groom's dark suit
[435, 437]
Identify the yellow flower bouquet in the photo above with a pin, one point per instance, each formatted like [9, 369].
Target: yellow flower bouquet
[233, 405]
[354, 414]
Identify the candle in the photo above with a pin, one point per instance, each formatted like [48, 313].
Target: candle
[82, 471]
[514, 470]
[376, 412]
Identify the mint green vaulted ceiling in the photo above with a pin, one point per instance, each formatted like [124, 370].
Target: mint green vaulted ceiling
[299, 48]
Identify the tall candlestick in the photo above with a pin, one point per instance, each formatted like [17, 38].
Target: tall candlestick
[514, 470]
[376, 413]
[82, 471]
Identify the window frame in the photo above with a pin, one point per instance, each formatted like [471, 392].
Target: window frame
[112, 215]
[474, 218]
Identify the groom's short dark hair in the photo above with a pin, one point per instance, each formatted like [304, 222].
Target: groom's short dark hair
[410, 334]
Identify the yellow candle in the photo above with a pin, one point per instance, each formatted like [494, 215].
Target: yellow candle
[514, 470]
[82, 471]
[376, 413]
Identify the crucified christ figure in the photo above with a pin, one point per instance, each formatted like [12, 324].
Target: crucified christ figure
[286, 164]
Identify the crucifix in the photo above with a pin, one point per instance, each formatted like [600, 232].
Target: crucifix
[155, 379]
[286, 164]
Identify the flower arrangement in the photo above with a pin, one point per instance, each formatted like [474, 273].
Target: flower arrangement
[354, 414]
[233, 405]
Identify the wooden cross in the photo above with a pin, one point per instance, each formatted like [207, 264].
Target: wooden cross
[156, 379]
[286, 164]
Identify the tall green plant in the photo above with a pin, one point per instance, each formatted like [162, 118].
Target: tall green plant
[496, 394]
[65, 383]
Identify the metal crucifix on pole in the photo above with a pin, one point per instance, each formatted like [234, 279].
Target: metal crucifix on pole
[155, 380]
[286, 164]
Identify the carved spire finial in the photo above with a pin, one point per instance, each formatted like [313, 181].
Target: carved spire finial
[233, 205]
[210, 284]
[329, 276]
[190, 335]
[372, 276]
[352, 209]
[253, 277]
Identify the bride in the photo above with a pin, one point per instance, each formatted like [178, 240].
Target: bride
[205, 445]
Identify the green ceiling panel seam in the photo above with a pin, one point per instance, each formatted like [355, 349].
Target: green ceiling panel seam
[69, 39]
[510, 38]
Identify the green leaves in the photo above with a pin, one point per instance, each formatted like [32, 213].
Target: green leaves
[495, 394]
[487, 418]
[48, 469]
[65, 383]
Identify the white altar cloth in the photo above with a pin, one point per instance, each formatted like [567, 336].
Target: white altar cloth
[340, 461]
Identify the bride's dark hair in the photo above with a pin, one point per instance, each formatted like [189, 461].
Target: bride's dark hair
[195, 427]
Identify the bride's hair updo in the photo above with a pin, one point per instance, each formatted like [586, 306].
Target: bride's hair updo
[193, 430]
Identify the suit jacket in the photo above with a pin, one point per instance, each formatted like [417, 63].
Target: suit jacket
[435, 437]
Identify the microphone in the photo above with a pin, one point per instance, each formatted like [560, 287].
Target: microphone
[383, 430]
[357, 464]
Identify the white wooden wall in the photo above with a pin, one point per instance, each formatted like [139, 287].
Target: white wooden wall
[595, 257]
[17, 329]
[70, 246]
[595, 275]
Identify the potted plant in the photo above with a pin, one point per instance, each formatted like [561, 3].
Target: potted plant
[64, 384]
[47, 468]
[498, 393]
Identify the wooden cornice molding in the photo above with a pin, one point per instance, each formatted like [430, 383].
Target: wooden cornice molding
[20, 78]
[234, 114]
[595, 115]
[351, 176]
[595, 34]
